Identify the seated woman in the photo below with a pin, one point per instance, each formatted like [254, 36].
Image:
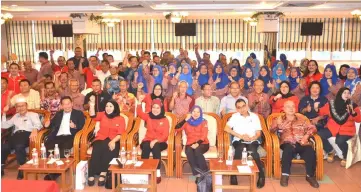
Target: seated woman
[246, 128]
[309, 103]
[186, 75]
[342, 115]
[106, 143]
[156, 137]
[196, 129]
[284, 94]
[170, 81]
[157, 93]
[248, 80]
[330, 83]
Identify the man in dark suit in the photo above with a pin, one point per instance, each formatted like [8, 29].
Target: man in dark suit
[63, 127]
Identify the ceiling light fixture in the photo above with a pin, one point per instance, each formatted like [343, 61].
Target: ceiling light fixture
[175, 17]
[110, 22]
[356, 13]
[14, 5]
[252, 21]
[5, 17]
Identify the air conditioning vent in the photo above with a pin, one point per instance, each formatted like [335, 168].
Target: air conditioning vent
[128, 6]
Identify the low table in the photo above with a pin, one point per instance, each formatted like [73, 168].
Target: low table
[149, 167]
[220, 168]
[44, 168]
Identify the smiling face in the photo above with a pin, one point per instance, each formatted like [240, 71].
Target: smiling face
[249, 73]
[233, 72]
[289, 108]
[155, 71]
[351, 74]
[312, 67]
[157, 90]
[203, 70]
[328, 73]
[315, 90]
[185, 69]
[207, 91]
[67, 105]
[263, 72]
[284, 88]
[49, 89]
[294, 73]
[235, 90]
[109, 108]
[279, 71]
[242, 108]
[24, 87]
[172, 69]
[74, 86]
[196, 113]
[70, 64]
[346, 95]
[156, 109]
[183, 88]
[218, 69]
[14, 70]
[343, 71]
[258, 86]
[123, 86]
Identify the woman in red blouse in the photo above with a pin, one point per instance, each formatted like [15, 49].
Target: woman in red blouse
[156, 94]
[278, 99]
[196, 129]
[312, 73]
[106, 143]
[156, 137]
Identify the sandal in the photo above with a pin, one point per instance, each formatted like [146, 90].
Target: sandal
[101, 183]
[91, 183]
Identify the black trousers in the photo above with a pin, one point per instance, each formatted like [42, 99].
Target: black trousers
[19, 141]
[156, 150]
[63, 141]
[307, 153]
[238, 146]
[101, 156]
[341, 141]
[196, 159]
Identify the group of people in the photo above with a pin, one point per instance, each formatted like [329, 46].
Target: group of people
[150, 85]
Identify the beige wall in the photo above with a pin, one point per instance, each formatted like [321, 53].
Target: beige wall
[4, 47]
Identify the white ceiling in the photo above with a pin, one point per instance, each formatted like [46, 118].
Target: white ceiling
[155, 8]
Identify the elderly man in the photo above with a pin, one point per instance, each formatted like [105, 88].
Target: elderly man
[26, 128]
[63, 128]
[76, 96]
[77, 57]
[294, 138]
[181, 103]
[245, 127]
[32, 97]
[207, 102]
[51, 99]
[30, 73]
[74, 74]
[125, 100]
[258, 101]
[228, 102]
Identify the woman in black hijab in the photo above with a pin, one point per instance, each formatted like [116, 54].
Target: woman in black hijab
[342, 73]
[106, 144]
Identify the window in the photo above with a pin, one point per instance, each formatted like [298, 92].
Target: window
[292, 55]
[321, 55]
[344, 55]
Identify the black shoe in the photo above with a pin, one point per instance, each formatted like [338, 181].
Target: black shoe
[234, 180]
[312, 181]
[91, 183]
[260, 182]
[101, 183]
[20, 175]
[284, 180]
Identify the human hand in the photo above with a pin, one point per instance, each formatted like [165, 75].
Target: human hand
[175, 95]
[329, 81]
[52, 51]
[6, 109]
[314, 121]
[111, 145]
[141, 98]
[249, 83]
[269, 84]
[304, 141]
[91, 100]
[316, 105]
[308, 108]
[197, 74]
[152, 143]
[47, 123]
[195, 145]
[218, 80]
[188, 117]
[33, 135]
[279, 120]
[278, 96]
[72, 125]
[196, 47]
[278, 81]
[298, 80]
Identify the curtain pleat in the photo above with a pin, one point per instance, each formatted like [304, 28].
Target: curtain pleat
[352, 34]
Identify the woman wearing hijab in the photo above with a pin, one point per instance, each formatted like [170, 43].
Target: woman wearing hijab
[106, 143]
[255, 65]
[312, 73]
[303, 65]
[219, 81]
[144, 79]
[296, 82]
[156, 137]
[330, 83]
[157, 74]
[265, 76]
[343, 72]
[284, 61]
[248, 81]
[284, 94]
[196, 130]
[186, 75]
[157, 93]
[352, 80]
[201, 78]
[233, 74]
[342, 116]
[171, 80]
[309, 102]
[278, 75]
[236, 63]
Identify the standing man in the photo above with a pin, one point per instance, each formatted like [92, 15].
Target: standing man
[6, 94]
[87, 72]
[228, 101]
[26, 129]
[76, 59]
[14, 77]
[207, 102]
[30, 73]
[32, 97]
[100, 97]
[45, 68]
[61, 63]
[111, 83]
[75, 95]
[258, 101]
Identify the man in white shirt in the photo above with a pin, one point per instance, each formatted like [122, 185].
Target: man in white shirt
[26, 129]
[207, 102]
[245, 127]
[32, 97]
[103, 72]
[228, 102]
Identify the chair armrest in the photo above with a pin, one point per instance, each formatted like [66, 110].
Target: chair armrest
[133, 136]
[84, 138]
[276, 146]
[124, 136]
[226, 142]
[319, 156]
[78, 136]
[123, 141]
[267, 143]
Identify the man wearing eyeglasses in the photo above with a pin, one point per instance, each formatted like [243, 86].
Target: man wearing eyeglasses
[228, 102]
[245, 127]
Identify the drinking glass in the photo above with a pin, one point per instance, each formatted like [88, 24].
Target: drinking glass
[51, 153]
[220, 156]
[250, 158]
[67, 154]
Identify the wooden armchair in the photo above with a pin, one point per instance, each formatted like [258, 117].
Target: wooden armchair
[86, 150]
[138, 133]
[215, 137]
[76, 145]
[267, 143]
[317, 144]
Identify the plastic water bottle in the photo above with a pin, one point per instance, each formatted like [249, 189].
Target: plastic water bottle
[230, 153]
[35, 157]
[56, 152]
[43, 151]
[244, 156]
[134, 155]
[123, 156]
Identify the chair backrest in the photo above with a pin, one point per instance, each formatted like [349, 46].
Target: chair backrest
[276, 115]
[142, 130]
[129, 118]
[212, 130]
[44, 115]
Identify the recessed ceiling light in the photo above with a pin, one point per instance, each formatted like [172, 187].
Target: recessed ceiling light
[106, 4]
[263, 3]
[14, 5]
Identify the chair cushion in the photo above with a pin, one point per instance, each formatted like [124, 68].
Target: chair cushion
[164, 153]
[210, 154]
[212, 131]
